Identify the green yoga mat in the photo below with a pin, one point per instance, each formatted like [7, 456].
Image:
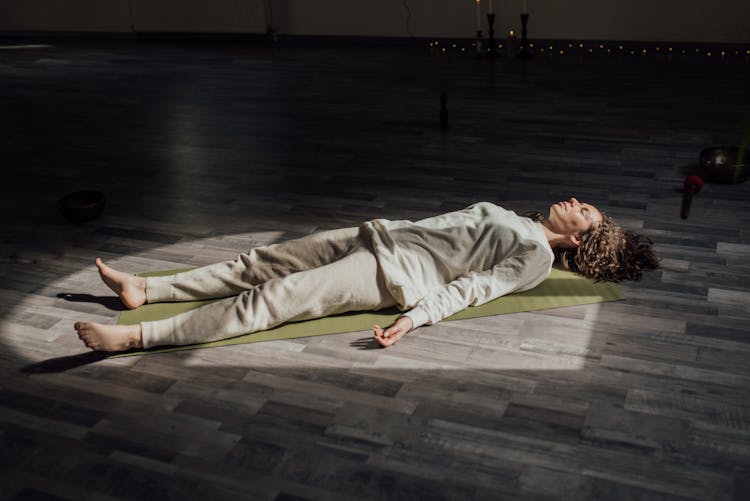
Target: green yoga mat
[562, 288]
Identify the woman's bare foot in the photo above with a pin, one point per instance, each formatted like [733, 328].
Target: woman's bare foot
[109, 337]
[130, 288]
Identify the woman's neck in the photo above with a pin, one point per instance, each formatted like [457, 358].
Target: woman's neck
[555, 240]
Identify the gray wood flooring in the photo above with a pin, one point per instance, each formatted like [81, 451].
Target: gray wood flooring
[205, 150]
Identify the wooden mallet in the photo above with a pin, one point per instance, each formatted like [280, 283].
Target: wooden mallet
[693, 185]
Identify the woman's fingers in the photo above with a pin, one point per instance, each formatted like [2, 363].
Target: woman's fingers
[385, 341]
[379, 335]
[383, 338]
[382, 333]
[390, 335]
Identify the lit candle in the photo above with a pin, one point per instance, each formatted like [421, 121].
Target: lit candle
[525, 10]
[479, 21]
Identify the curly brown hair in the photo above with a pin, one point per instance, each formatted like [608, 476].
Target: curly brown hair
[608, 252]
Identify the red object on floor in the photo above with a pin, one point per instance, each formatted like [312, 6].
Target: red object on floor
[692, 185]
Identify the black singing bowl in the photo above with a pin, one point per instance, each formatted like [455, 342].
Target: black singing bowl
[81, 206]
[721, 164]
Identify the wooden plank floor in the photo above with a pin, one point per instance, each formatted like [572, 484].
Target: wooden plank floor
[206, 150]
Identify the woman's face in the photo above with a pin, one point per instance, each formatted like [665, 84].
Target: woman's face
[572, 217]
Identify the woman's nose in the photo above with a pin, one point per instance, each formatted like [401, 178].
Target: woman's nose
[574, 201]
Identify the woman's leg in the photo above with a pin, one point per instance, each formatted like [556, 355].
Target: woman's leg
[350, 284]
[249, 269]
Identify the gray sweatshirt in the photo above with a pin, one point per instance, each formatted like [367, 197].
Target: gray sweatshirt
[438, 266]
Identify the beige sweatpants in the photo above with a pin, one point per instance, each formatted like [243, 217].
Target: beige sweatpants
[314, 276]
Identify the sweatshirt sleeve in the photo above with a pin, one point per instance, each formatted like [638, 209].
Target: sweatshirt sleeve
[524, 271]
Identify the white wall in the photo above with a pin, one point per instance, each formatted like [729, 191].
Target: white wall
[644, 20]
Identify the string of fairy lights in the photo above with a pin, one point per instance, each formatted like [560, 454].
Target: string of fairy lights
[609, 48]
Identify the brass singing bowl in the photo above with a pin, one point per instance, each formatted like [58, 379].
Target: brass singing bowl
[721, 164]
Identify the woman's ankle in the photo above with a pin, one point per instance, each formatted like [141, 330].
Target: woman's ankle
[136, 338]
[142, 286]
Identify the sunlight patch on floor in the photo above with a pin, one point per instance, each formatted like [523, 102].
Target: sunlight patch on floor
[554, 339]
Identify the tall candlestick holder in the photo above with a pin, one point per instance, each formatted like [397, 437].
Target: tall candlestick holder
[491, 34]
[525, 53]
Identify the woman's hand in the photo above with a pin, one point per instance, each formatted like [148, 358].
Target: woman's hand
[394, 332]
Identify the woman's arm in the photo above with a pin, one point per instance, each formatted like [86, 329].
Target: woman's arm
[519, 272]
[387, 337]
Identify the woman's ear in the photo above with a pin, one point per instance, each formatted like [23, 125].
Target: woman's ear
[574, 240]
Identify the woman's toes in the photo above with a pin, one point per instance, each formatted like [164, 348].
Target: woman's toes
[107, 337]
